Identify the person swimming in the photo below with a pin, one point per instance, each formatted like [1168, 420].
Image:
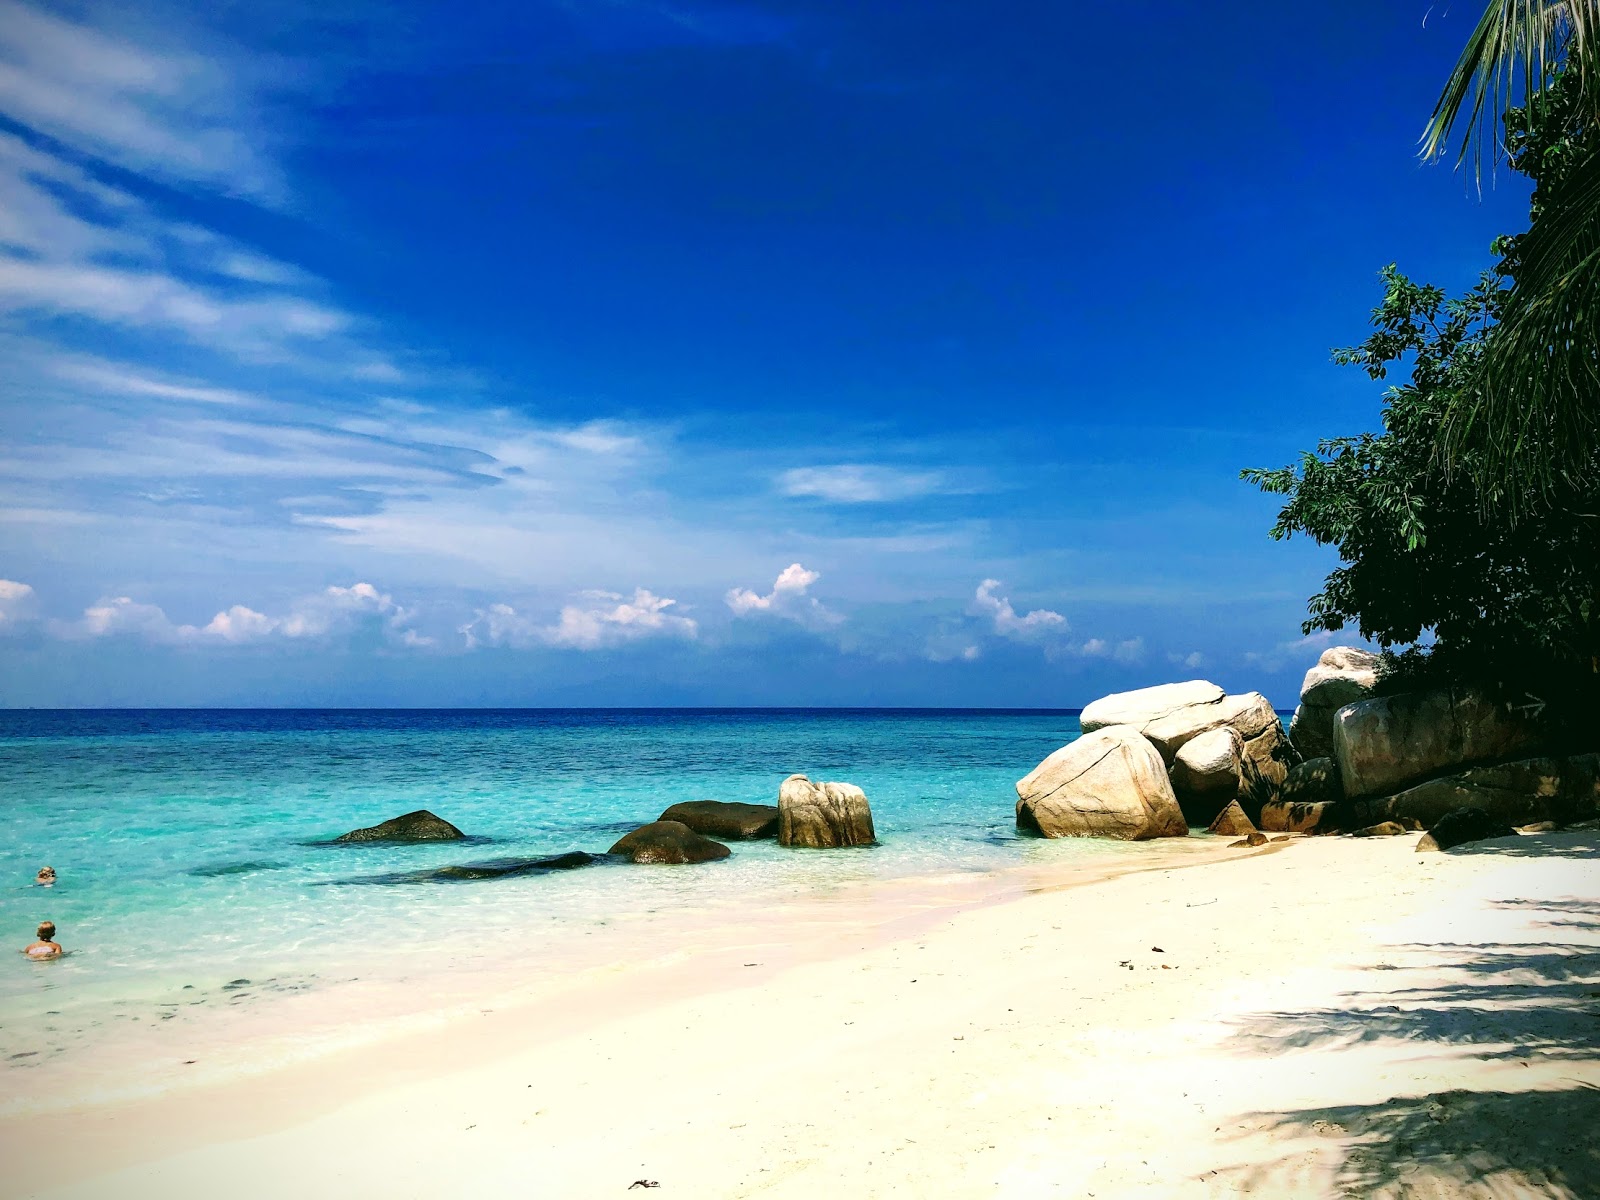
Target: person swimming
[46, 946]
[46, 877]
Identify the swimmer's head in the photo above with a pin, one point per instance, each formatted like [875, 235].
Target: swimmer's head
[46, 873]
[47, 931]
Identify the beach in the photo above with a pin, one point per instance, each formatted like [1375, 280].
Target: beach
[1322, 1016]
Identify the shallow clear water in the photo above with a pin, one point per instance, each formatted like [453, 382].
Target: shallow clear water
[190, 852]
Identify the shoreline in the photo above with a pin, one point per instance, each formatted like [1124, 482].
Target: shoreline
[1260, 934]
[350, 1017]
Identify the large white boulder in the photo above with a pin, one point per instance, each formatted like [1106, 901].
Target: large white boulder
[1208, 765]
[1109, 783]
[1144, 705]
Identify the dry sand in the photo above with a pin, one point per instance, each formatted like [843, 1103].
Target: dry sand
[1327, 1017]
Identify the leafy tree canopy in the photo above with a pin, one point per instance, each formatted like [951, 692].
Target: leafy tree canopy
[1419, 517]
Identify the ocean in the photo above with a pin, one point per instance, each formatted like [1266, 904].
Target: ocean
[196, 878]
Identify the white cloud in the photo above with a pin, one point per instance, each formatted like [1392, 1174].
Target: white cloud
[16, 604]
[334, 611]
[787, 599]
[603, 621]
[1191, 660]
[858, 483]
[1038, 625]
[1129, 651]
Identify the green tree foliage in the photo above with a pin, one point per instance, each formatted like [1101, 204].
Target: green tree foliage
[1427, 552]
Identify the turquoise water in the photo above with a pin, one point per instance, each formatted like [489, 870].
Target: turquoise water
[189, 845]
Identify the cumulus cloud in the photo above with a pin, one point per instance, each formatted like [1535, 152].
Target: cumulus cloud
[16, 604]
[1039, 625]
[787, 599]
[858, 483]
[331, 612]
[1191, 660]
[602, 621]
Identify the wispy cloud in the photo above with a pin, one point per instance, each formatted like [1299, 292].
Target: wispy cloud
[859, 483]
[179, 115]
[787, 599]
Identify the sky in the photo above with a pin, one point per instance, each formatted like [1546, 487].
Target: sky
[646, 352]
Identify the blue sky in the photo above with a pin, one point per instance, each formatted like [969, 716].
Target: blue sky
[622, 352]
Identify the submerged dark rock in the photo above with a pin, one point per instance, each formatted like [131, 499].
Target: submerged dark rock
[726, 819]
[419, 826]
[499, 868]
[243, 868]
[668, 842]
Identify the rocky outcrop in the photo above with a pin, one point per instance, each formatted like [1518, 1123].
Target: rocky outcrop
[668, 842]
[1204, 735]
[1283, 816]
[1254, 838]
[722, 819]
[419, 826]
[1381, 829]
[1232, 822]
[1343, 675]
[1315, 781]
[1462, 826]
[1109, 783]
[1389, 742]
[823, 815]
[1514, 793]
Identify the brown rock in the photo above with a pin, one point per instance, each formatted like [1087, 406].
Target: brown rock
[1516, 793]
[668, 842]
[722, 819]
[419, 826]
[1282, 816]
[1254, 838]
[1462, 826]
[1231, 822]
[1381, 829]
[1539, 827]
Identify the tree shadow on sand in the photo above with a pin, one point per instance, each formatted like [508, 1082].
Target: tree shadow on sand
[1537, 1002]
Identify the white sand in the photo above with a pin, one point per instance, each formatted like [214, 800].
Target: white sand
[1328, 1017]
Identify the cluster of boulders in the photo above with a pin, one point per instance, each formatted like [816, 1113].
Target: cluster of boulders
[1153, 762]
[1457, 764]
[814, 815]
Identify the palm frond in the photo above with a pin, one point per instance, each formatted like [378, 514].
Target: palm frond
[1510, 52]
[1533, 420]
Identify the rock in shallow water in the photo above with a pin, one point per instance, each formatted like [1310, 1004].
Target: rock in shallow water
[720, 819]
[668, 842]
[1110, 783]
[419, 826]
[823, 815]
